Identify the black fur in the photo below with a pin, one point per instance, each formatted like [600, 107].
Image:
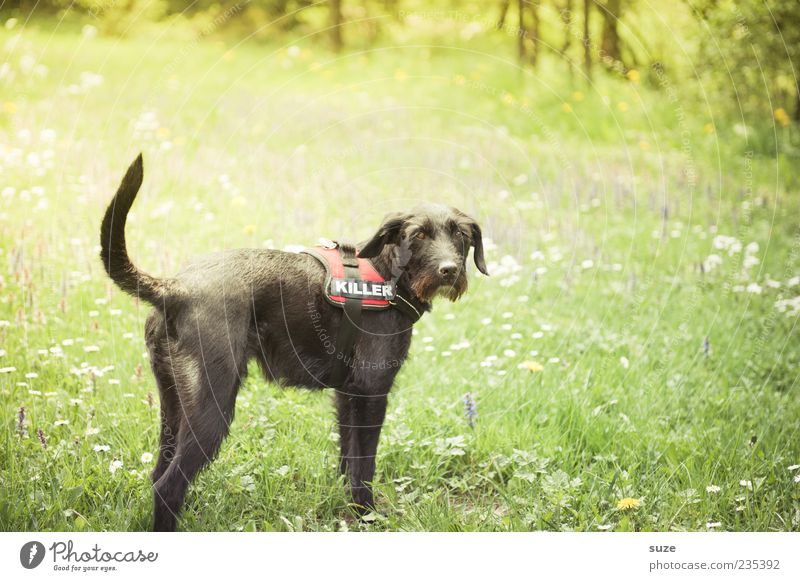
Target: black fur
[267, 305]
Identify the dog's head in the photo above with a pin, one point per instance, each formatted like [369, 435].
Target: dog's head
[430, 245]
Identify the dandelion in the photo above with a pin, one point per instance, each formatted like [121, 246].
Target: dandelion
[603, 527]
[146, 458]
[114, 466]
[470, 409]
[633, 75]
[628, 503]
[532, 366]
[793, 467]
[42, 438]
[797, 478]
[101, 448]
[624, 362]
[748, 484]
[61, 423]
[713, 525]
[782, 117]
[713, 488]
[7, 369]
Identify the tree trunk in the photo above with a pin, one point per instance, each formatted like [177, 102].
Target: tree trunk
[534, 32]
[501, 21]
[566, 19]
[587, 42]
[336, 24]
[610, 45]
[521, 30]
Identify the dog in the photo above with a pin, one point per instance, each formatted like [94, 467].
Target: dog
[228, 308]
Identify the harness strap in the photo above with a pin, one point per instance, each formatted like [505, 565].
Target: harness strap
[410, 305]
[351, 320]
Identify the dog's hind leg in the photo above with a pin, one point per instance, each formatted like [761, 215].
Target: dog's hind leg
[203, 427]
[170, 418]
[170, 415]
[208, 380]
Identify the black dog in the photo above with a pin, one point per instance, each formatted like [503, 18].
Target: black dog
[225, 309]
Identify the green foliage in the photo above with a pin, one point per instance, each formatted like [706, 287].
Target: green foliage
[637, 338]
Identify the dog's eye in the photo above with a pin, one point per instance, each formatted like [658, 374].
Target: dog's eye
[420, 235]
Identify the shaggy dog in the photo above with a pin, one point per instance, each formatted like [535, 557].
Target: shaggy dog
[225, 309]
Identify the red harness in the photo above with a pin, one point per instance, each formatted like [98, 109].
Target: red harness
[370, 287]
[353, 284]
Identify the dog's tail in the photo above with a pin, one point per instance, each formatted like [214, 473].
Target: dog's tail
[114, 254]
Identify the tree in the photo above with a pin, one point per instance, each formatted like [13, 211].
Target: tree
[336, 24]
[587, 40]
[610, 43]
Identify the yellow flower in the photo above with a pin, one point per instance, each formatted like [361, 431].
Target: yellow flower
[782, 117]
[566, 107]
[249, 230]
[644, 145]
[475, 75]
[162, 133]
[633, 75]
[227, 55]
[577, 96]
[400, 75]
[533, 366]
[708, 128]
[509, 99]
[622, 106]
[9, 107]
[459, 79]
[628, 503]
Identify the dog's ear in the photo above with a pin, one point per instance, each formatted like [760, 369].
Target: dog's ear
[477, 245]
[388, 233]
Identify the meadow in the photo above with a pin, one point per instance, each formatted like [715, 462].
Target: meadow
[630, 364]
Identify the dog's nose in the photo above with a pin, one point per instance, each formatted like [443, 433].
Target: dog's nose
[448, 269]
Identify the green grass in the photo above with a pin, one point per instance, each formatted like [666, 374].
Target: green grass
[591, 379]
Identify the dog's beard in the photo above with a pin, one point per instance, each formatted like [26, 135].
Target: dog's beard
[427, 287]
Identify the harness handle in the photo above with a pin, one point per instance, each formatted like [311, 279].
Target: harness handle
[351, 320]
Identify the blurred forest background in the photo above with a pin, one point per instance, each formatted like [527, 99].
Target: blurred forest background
[741, 56]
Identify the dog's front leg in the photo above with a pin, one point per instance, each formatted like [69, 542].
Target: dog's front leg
[345, 412]
[369, 413]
